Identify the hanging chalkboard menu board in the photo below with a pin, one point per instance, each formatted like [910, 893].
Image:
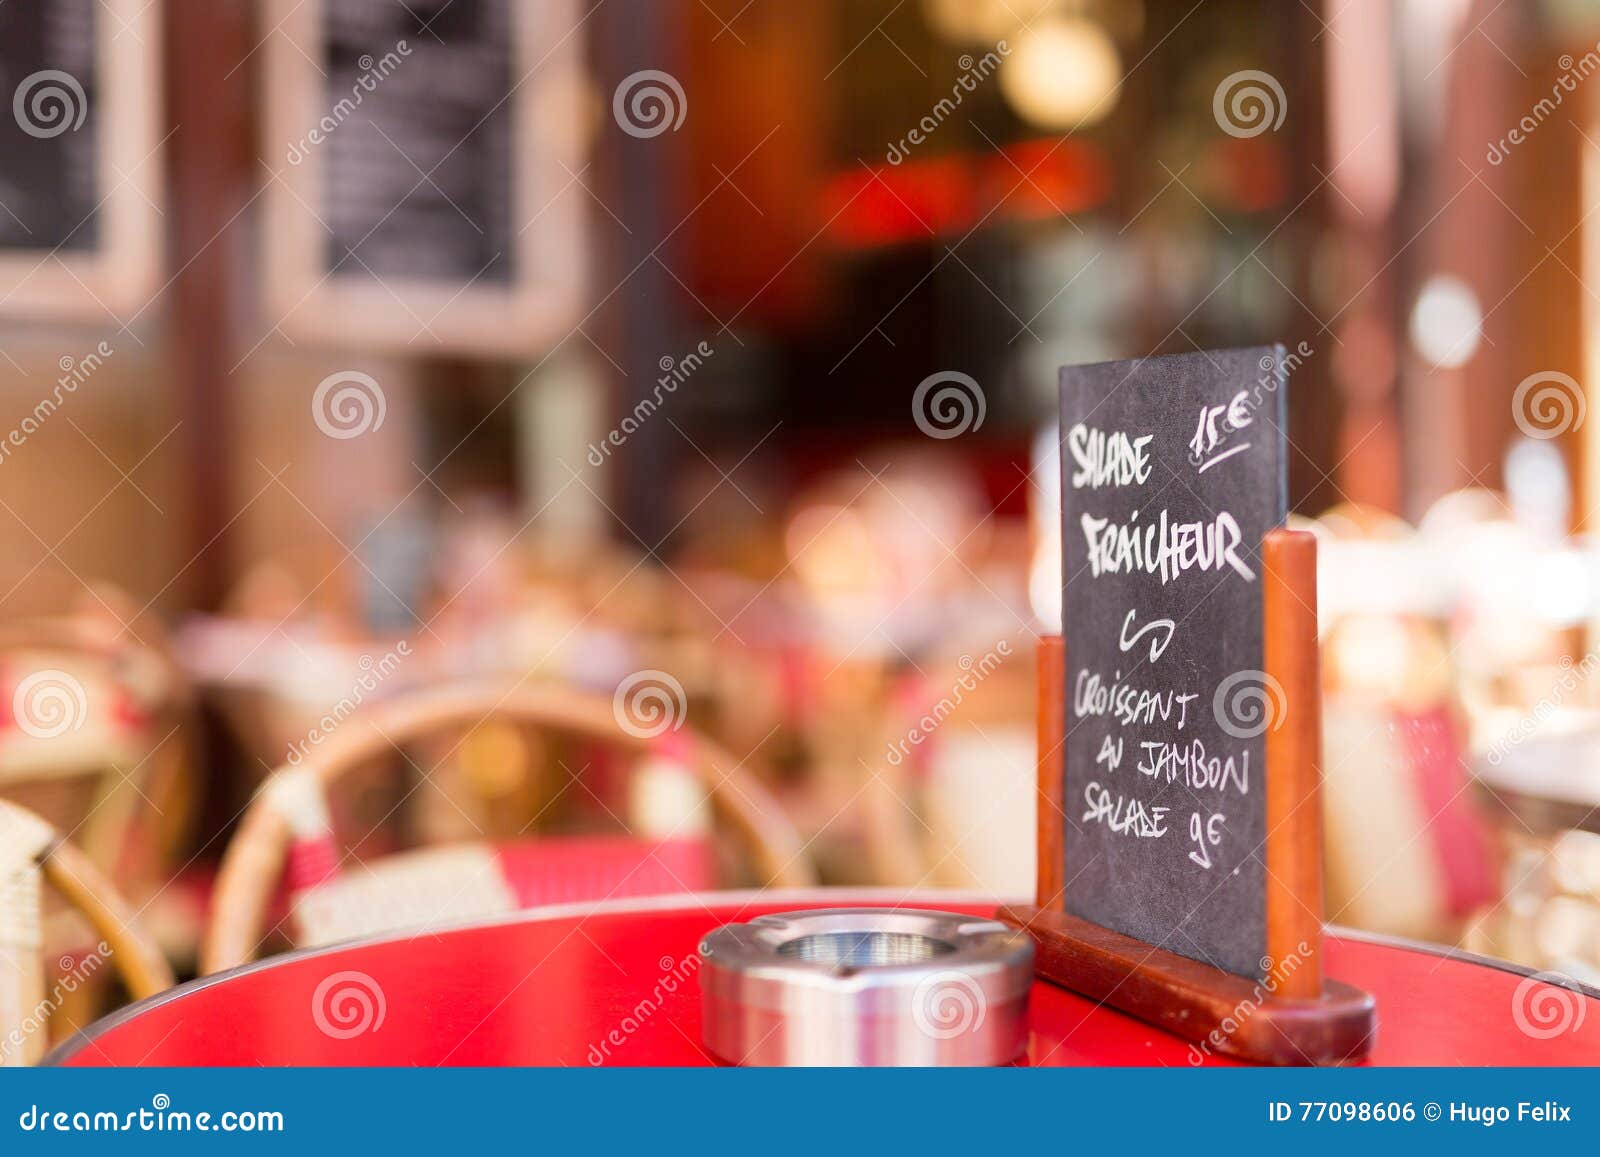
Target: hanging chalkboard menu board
[426, 187]
[79, 227]
[426, 190]
[49, 184]
[1172, 473]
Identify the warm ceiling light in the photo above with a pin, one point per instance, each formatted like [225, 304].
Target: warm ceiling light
[981, 21]
[1062, 73]
[1446, 322]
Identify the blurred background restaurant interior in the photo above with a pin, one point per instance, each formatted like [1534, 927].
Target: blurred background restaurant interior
[612, 441]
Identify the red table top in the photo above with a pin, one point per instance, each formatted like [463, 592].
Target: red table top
[616, 983]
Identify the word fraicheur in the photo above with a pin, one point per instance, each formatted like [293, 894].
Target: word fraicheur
[1163, 547]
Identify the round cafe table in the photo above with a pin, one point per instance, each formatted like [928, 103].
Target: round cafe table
[616, 983]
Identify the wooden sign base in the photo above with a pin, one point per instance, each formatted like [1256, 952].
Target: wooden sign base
[1220, 1013]
[1297, 1017]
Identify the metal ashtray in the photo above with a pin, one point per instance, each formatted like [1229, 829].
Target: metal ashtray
[866, 986]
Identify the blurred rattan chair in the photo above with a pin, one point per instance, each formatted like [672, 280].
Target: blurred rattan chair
[94, 734]
[33, 853]
[286, 835]
[96, 721]
[949, 798]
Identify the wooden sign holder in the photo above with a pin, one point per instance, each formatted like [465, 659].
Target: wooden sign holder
[1290, 1017]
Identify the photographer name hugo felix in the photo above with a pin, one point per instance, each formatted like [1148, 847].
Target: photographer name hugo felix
[1547, 1112]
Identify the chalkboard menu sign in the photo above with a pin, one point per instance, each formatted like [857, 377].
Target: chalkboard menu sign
[79, 227]
[1172, 473]
[421, 185]
[426, 187]
[49, 185]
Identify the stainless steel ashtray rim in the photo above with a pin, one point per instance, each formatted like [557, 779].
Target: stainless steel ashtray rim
[978, 947]
[866, 986]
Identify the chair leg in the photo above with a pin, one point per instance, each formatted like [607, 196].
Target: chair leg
[23, 1039]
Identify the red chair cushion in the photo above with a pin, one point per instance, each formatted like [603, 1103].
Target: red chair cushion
[567, 869]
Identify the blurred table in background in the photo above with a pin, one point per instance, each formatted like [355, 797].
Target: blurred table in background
[1544, 791]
